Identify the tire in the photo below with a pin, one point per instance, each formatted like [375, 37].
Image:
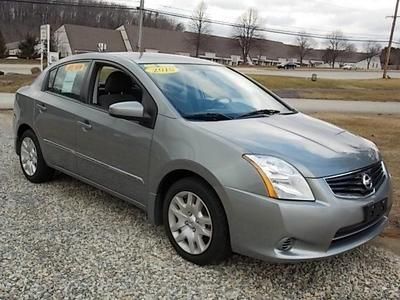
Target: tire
[211, 243]
[38, 172]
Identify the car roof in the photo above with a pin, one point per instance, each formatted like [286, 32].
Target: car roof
[144, 57]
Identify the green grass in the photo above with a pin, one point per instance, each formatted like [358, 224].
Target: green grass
[334, 89]
[19, 61]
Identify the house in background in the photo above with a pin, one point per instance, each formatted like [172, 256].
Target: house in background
[13, 49]
[75, 39]
[375, 63]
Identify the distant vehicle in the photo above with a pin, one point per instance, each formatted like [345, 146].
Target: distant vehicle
[348, 67]
[287, 66]
[221, 161]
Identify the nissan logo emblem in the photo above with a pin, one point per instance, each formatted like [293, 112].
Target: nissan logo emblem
[367, 181]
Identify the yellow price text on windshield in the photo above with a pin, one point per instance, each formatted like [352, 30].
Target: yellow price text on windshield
[161, 69]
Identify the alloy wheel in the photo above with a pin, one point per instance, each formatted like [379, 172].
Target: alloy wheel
[190, 222]
[29, 157]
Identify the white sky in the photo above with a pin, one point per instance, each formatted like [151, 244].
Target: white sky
[357, 18]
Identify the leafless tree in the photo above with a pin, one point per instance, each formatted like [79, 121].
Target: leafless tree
[199, 25]
[372, 49]
[247, 31]
[3, 48]
[337, 45]
[304, 44]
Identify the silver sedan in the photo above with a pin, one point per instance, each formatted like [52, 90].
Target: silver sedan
[223, 163]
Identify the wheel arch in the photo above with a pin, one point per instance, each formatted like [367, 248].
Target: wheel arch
[21, 129]
[155, 206]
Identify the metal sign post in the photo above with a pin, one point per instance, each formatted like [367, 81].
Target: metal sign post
[44, 37]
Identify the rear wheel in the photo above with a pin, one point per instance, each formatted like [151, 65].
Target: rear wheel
[31, 159]
[195, 222]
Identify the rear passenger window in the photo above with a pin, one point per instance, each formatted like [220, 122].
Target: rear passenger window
[69, 80]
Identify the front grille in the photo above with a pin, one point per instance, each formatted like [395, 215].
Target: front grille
[353, 185]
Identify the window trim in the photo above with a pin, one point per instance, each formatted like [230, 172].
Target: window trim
[83, 90]
[91, 84]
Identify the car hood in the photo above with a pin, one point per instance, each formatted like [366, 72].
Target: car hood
[314, 147]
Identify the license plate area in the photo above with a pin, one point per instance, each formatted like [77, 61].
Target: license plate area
[374, 211]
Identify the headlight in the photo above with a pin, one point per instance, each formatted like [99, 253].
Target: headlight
[281, 179]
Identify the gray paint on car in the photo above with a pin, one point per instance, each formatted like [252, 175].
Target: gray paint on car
[131, 160]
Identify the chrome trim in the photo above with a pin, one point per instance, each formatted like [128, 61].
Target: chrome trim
[350, 172]
[94, 160]
[373, 191]
[109, 166]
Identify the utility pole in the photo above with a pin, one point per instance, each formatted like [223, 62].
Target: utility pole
[385, 68]
[139, 43]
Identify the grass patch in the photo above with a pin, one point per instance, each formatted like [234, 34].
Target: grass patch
[333, 89]
[19, 61]
[10, 83]
[383, 130]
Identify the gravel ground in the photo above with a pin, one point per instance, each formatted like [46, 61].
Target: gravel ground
[65, 239]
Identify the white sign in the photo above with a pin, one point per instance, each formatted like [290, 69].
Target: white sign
[44, 32]
[53, 57]
[101, 47]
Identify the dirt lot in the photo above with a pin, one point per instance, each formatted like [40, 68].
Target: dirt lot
[10, 83]
[332, 89]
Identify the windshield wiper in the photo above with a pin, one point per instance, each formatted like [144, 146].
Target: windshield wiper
[208, 117]
[257, 113]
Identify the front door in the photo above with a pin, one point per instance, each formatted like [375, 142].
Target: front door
[114, 152]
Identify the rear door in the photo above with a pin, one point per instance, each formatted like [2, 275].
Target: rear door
[56, 111]
[114, 152]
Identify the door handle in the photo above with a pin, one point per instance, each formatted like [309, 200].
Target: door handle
[41, 107]
[85, 125]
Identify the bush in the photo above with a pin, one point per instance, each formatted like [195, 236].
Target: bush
[35, 70]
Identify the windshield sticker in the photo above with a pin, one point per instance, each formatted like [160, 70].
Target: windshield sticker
[160, 69]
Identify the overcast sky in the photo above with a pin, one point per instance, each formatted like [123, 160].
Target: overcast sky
[357, 18]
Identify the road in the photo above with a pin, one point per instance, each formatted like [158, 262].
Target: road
[67, 240]
[18, 68]
[312, 105]
[6, 100]
[304, 105]
[326, 74]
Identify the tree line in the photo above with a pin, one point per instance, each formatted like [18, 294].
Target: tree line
[18, 18]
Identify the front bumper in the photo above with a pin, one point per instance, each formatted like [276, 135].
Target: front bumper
[258, 223]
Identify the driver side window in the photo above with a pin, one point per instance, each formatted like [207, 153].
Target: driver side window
[113, 85]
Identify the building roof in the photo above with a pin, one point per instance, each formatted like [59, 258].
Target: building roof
[13, 45]
[86, 39]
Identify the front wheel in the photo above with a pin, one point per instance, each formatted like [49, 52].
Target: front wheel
[195, 222]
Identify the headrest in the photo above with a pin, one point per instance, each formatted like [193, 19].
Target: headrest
[118, 82]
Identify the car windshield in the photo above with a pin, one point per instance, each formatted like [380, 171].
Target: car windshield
[212, 93]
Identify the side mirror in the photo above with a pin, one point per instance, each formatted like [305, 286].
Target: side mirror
[131, 110]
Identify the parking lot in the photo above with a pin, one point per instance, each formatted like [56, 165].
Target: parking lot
[65, 239]
[321, 73]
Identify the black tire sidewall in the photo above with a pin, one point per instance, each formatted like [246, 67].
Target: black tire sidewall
[219, 247]
[43, 172]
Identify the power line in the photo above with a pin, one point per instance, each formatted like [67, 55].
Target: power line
[208, 20]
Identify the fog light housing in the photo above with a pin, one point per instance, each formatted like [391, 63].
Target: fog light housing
[286, 244]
